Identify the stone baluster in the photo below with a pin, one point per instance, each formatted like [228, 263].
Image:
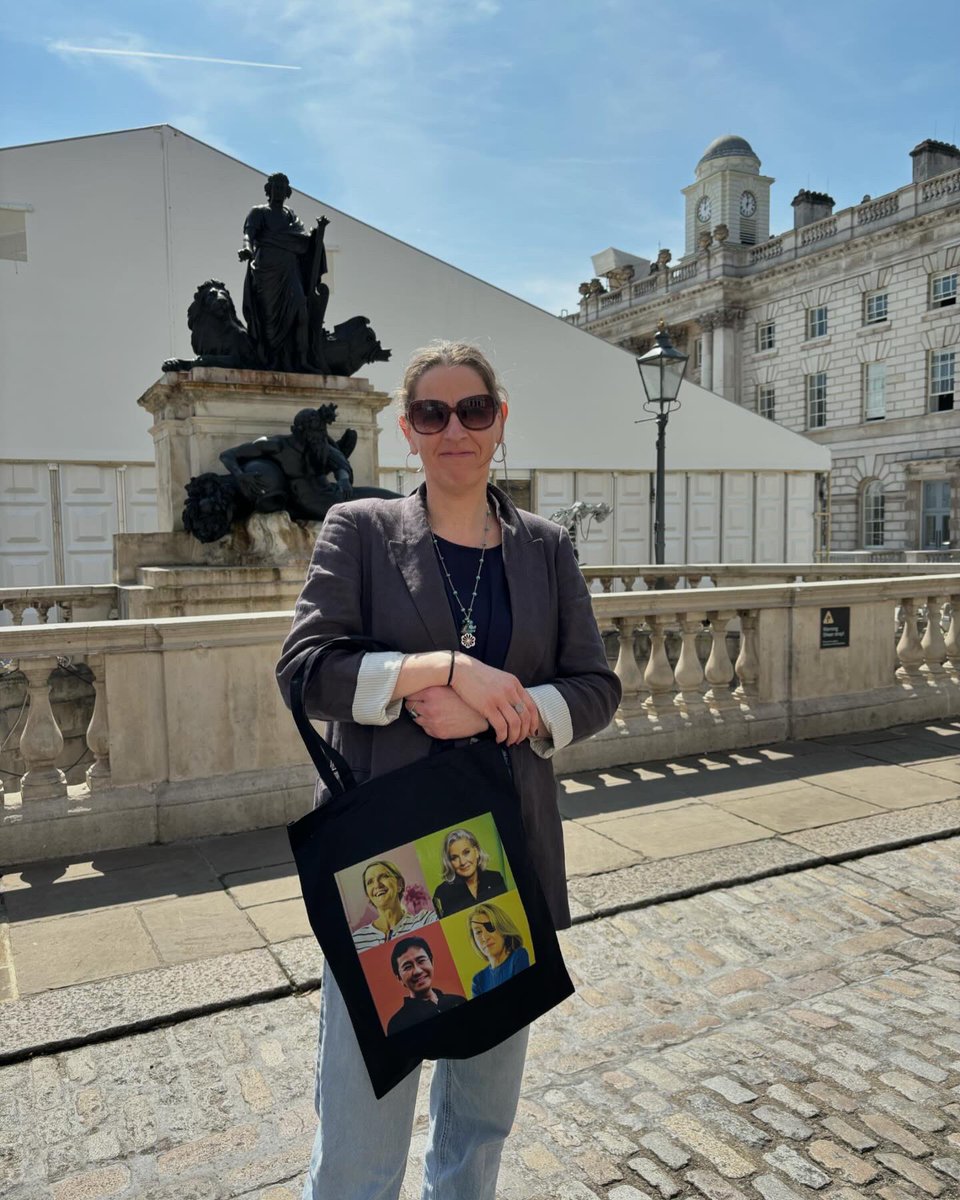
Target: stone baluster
[606, 583]
[98, 731]
[747, 666]
[43, 610]
[719, 669]
[952, 640]
[65, 608]
[628, 581]
[658, 675]
[909, 648]
[933, 643]
[41, 741]
[627, 670]
[650, 581]
[689, 672]
[16, 608]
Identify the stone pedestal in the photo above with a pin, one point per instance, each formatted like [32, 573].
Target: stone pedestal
[200, 413]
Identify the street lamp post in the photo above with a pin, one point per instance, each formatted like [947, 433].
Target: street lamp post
[661, 373]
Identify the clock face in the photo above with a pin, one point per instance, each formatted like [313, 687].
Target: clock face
[704, 209]
[748, 204]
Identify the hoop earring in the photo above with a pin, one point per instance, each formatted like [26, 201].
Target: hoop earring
[407, 467]
[502, 447]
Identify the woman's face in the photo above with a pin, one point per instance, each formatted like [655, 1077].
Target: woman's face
[455, 457]
[464, 858]
[382, 886]
[489, 942]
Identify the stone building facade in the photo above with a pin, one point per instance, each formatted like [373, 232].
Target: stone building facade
[845, 328]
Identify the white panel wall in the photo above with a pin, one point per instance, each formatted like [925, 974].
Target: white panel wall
[769, 519]
[26, 526]
[597, 487]
[632, 516]
[555, 489]
[703, 519]
[675, 518]
[737, 545]
[140, 499]
[89, 507]
[800, 510]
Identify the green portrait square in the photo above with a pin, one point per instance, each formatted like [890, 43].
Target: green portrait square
[445, 855]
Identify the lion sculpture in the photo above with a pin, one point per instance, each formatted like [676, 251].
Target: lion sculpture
[217, 335]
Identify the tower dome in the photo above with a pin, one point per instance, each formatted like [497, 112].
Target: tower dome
[729, 146]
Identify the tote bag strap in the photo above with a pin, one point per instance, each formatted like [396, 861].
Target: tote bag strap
[331, 766]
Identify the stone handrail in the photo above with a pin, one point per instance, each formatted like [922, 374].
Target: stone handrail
[644, 576]
[189, 736]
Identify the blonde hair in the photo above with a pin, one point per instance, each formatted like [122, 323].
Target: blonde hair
[512, 937]
[447, 354]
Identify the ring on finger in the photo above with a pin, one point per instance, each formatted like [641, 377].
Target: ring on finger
[519, 708]
[413, 712]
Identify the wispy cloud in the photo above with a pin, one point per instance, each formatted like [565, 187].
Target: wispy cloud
[64, 47]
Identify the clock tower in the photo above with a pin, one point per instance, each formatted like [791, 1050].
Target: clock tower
[729, 191]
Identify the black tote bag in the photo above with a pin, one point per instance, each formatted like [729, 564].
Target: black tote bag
[459, 974]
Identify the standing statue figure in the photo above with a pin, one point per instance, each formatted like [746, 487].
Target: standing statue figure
[284, 298]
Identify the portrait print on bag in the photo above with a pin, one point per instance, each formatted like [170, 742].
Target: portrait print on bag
[436, 922]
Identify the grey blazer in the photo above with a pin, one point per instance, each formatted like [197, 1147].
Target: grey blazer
[375, 572]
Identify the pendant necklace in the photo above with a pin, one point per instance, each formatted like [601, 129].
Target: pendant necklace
[468, 629]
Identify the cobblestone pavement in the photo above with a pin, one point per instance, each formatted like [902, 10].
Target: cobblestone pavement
[793, 1037]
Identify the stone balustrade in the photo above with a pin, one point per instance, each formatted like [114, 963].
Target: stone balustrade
[188, 735]
[50, 605]
[644, 576]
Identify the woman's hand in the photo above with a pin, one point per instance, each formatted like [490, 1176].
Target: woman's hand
[441, 713]
[498, 696]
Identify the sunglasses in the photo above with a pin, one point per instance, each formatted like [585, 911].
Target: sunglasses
[484, 925]
[433, 416]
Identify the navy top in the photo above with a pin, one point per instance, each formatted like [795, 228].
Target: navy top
[491, 609]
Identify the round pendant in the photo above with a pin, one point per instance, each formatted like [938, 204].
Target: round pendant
[467, 640]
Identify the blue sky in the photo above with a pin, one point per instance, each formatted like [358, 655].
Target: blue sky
[512, 138]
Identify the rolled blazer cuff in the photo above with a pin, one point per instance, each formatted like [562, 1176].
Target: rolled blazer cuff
[375, 683]
[555, 715]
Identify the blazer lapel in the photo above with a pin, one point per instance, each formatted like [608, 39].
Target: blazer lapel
[416, 560]
[525, 567]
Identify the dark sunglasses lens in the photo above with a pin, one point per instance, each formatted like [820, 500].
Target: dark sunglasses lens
[476, 412]
[429, 416]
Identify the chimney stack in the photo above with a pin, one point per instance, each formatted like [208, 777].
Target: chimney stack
[811, 206]
[932, 158]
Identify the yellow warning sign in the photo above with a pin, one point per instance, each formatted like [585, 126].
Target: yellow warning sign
[827, 617]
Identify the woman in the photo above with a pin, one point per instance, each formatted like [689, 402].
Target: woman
[500, 942]
[465, 876]
[494, 629]
[384, 886]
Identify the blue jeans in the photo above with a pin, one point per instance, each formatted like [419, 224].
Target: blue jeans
[360, 1151]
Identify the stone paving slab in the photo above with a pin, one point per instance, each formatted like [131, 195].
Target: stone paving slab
[850, 837]
[687, 1066]
[93, 1010]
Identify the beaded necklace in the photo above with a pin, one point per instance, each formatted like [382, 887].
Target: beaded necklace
[468, 629]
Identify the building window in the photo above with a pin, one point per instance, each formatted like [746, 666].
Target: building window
[941, 380]
[873, 514]
[874, 391]
[817, 322]
[935, 530]
[13, 233]
[875, 308]
[697, 353]
[765, 400]
[766, 335]
[943, 289]
[817, 400]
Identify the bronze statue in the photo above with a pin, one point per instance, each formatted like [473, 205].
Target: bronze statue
[284, 303]
[287, 472]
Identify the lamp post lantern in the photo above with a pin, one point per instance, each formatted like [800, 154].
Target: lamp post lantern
[661, 373]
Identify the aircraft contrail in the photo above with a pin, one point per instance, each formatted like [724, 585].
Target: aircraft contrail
[228, 62]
